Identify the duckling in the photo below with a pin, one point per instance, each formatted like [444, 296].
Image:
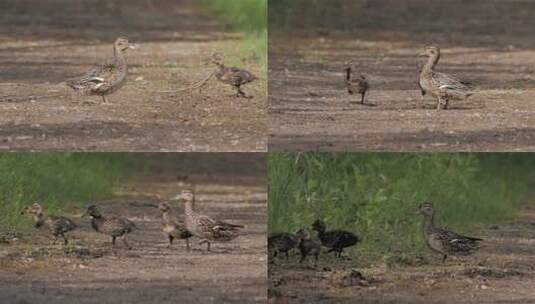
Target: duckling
[108, 77]
[173, 228]
[281, 242]
[307, 245]
[58, 225]
[442, 86]
[233, 76]
[204, 226]
[445, 241]
[335, 240]
[356, 85]
[114, 227]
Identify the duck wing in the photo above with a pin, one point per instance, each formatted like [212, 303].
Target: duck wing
[100, 78]
[238, 76]
[447, 82]
[458, 243]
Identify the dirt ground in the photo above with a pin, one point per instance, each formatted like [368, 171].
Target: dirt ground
[91, 271]
[503, 271]
[487, 43]
[43, 44]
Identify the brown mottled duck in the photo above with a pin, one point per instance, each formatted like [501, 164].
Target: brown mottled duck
[113, 226]
[205, 227]
[58, 225]
[108, 77]
[173, 228]
[235, 77]
[445, 241]
[356, 85]
[442, 86]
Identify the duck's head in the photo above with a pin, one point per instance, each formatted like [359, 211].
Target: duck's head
[349, 65]
[186, 196]
[302, 234]
[33, 209]
[426, 209]
[92, 211]
[217, 58]
[318, 225]
[123, 44]
[430, 51]
[164, 207]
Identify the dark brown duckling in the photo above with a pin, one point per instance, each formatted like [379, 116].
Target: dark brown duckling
[235, 77]
[445, 241]
[173, 228]
[114, 226]
[335, 240]
[281, 242]
[356, 85]
[58, 225]
[108, 77]
[307, 245]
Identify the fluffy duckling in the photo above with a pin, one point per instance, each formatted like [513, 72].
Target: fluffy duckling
[445, 241]
[307, 245]
[173, 228]
[442, 86]
[58, 225]
[335, 240]
[114, 226]
[108, 77]
[355, 85]
[281, 242]
[205, 227]
[232, 76]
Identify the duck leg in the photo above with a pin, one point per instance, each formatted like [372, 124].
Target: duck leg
[363, 94]
[125, 242]
[187, 245]
[171, 238]
[422, 99]
[65, 241]
[104, 100]
[444, 258]
[113, 240]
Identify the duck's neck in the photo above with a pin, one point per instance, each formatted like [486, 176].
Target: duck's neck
[119, 55]
[348, 74]
[431, 63]
[189, 208]
[429, 222]
[96, 222]
[165, 216]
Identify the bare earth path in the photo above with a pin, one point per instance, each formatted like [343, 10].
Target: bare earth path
[503, 271]
[35, 272]
[42, 44]
[485, 43]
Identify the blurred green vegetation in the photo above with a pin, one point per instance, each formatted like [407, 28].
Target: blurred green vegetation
[375, 195]
[249, 17]
[59, 181]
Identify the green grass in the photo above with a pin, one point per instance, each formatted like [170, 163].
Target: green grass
[376, 194]
[249, 17]
[59, 181]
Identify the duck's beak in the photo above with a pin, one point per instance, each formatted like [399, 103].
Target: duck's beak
[133, 46]
[422, 54]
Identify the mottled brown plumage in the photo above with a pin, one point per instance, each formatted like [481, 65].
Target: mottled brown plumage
[57, 225]
[113, 226]
[109, 76]
[442, 86]
[308, 245]
[445, 241]
[205, 227]
[356, 85]
[172, 227]
[232, 76]
[281, 242]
